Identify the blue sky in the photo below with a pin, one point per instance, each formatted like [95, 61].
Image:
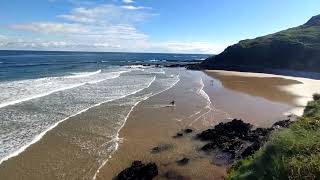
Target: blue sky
[182, 26]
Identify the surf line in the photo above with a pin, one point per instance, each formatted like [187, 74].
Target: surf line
[58, 90]
[39, 136]
[209, 105]
[117, 139]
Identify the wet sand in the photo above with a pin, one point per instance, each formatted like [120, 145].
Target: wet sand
[295, 91]
[258, 100]
[150, 127]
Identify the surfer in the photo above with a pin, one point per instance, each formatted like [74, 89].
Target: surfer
[172, 103]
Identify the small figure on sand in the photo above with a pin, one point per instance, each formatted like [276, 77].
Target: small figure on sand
[172, 103]
[211, 82]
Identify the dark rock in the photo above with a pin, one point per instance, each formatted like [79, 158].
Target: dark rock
[183, 161]
[236, 139]
[187, 131]
[139, 171]
[209, 147]
[251, 149]
[233, 147]
[258, 135]
[222, 159]
[178, 135]
[196, 66]
[235, 128]
[282, 124]
[161, 148]
[174, 65]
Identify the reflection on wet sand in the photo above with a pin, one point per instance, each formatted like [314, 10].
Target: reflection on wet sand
[266, 87]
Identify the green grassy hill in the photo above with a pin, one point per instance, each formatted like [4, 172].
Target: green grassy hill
[293, 153]
[292, 49]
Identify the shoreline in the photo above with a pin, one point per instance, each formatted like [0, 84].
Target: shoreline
[179, 117]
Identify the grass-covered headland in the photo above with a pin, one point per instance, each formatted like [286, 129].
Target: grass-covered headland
[293, 153]
[294, 49]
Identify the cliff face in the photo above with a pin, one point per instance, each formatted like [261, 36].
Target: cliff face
[292, 49]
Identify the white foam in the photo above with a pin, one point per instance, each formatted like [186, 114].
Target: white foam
[194, 114]
[117, 139]
[83, 74]
[159, 72]
[128, 115]
[37, 96]
[20, 91]
[209, 106]
[38, 137]
[135, 66]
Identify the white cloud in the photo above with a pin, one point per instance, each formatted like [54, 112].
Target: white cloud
[2, 37]
[103, 27]
[108, 42]
[107, 14]
[35, 44]
[106, 45]
[50, 27]
[103, 22]
[135, 7]
[3, 40]
[191, 47]
[122, 37]
[128, 1]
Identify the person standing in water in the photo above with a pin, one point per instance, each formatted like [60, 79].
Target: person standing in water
[172, 103]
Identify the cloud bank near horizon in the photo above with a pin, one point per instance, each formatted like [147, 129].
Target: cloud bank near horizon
[98, 27]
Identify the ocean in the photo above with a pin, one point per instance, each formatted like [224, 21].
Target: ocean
[39, 90]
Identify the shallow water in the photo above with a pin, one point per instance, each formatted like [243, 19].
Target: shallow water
[41, 89]
[85, 141]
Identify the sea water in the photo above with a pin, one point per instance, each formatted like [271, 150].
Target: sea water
[39, 90]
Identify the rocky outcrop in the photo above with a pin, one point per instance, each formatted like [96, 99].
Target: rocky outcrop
[138, 171]
[183, 132]
[236, 138]
[160, 148]
[227, 141]
[183, 161]
[187, 131]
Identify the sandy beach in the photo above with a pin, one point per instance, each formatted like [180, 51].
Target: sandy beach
[297, 90]
[203, 99]
[150, 127]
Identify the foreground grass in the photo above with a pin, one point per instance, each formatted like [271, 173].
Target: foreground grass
[293, 153]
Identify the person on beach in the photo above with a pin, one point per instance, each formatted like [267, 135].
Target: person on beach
[172, 103]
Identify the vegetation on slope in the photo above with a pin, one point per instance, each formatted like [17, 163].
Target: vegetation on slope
[293, 153]
[294, 49]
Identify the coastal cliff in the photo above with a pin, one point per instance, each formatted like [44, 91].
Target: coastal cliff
[295, 49]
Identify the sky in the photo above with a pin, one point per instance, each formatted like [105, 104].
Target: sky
[172, 26]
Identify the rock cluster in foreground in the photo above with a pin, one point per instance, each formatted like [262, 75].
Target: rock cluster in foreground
[139, 171]
[229, 141]
[236, 139]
